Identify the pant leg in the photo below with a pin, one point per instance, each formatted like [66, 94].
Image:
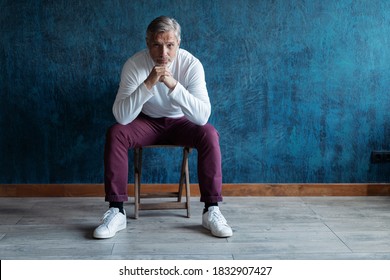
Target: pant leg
[119, 139]
[205, 139]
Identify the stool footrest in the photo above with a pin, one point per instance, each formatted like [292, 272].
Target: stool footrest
[159, 195]
[163, 206]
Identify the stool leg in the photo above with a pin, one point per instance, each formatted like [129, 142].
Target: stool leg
[185, 179]
[188, 187]
[182, 176]
[137, 179]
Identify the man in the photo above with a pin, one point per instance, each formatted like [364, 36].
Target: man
[162, 99]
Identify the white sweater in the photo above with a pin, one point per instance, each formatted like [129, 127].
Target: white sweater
[189, 98]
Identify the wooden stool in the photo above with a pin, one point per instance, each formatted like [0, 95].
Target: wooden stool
[184, 180]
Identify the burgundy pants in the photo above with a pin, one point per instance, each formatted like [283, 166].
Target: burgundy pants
[145, 131]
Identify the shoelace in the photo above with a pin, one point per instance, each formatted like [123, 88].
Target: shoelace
[217, 216]
[106, 216]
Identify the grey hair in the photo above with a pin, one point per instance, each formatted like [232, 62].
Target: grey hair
[163, 24]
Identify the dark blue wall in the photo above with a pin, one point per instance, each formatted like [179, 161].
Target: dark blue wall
[300, 89]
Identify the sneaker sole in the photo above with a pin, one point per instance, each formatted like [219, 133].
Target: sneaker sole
[221, 236]
[97, 236]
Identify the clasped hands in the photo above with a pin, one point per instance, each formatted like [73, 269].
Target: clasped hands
[160, 73]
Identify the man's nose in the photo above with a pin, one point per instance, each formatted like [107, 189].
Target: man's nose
[163, 50]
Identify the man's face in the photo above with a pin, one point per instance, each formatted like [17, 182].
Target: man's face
[163, 48]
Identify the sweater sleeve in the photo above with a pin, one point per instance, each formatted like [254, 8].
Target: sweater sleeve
[131, 96]
[193, 98]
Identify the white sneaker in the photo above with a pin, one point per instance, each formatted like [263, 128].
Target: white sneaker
[213, 220]
[112, 222]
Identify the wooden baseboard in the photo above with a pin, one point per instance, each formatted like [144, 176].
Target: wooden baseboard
[97, 190]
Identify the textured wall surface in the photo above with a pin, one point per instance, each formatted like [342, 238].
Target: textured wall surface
[300, 89]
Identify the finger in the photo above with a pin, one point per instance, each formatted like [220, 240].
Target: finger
[163, 71]
[159, 68]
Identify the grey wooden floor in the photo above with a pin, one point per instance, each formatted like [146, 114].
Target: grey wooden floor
[309, 228]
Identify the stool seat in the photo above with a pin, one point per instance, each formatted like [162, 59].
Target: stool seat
[184, 181]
